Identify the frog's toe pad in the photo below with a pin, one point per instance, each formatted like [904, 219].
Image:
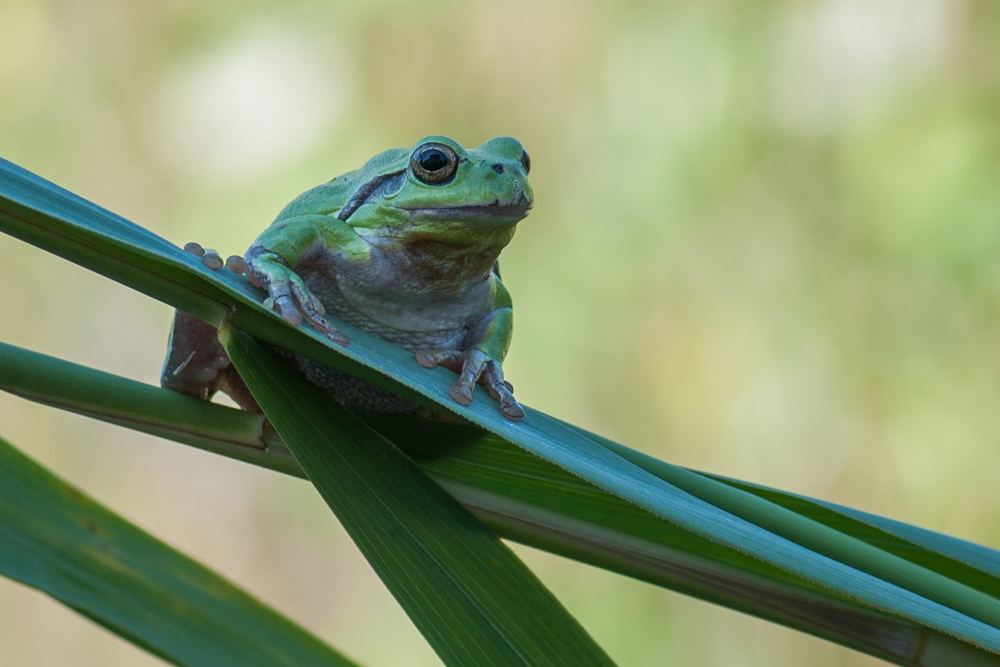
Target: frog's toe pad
[461, 394]
[425, 359]
[212, 259]
[338, 338]
[194, 248]
[236, 264]
[450, 359]
[512, 411]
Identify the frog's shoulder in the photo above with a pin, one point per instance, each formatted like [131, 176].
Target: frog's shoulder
[330, 197]
[324, 199]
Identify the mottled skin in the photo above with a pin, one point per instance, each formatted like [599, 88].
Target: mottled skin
[404, 248]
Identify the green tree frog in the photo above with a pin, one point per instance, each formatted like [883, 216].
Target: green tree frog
[404, 248]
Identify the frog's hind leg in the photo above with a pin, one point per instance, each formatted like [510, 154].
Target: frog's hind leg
[197, 364]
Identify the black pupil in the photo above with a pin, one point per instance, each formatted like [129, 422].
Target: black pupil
[433, 160]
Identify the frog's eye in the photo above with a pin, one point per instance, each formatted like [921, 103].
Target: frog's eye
[525, 161]
[434, 163]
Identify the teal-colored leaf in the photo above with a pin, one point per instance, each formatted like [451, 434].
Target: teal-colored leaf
[940, 601]
[970, 564]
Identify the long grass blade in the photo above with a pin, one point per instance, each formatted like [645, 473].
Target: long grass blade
[55, 539]
[521, 497]
[972, 564]
[474, 601]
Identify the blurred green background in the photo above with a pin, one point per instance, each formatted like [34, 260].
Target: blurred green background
[766, 243]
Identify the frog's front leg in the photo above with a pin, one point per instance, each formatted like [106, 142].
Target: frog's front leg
[480, 360]
[272, 259]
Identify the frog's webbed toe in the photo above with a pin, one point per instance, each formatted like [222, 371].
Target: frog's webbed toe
[474, 366]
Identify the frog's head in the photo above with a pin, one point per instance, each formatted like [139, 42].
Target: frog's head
[440, 189]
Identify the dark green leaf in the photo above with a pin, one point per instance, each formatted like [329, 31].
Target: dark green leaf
[470, 596]
[56, 539]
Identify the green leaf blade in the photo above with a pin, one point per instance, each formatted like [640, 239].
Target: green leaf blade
[57, 540]
[524, 498]
[473, 600]
[234, 433]
[389, 367]
[970, 564]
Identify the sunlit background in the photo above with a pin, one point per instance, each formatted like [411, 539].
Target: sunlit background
[766, 243]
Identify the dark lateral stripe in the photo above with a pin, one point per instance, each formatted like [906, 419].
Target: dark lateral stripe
[362, 194]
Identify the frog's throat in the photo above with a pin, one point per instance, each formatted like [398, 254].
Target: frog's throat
[457, 258]
[448, 242]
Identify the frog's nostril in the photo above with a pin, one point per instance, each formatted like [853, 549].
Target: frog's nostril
[498, 168]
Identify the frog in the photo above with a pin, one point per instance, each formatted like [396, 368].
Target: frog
[405, 248]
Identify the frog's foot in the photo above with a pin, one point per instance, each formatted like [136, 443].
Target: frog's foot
[474, 366]
[288, 294]
[197, 364]
[194, 359]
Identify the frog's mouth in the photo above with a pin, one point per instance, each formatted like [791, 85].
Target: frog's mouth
[494, 213]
